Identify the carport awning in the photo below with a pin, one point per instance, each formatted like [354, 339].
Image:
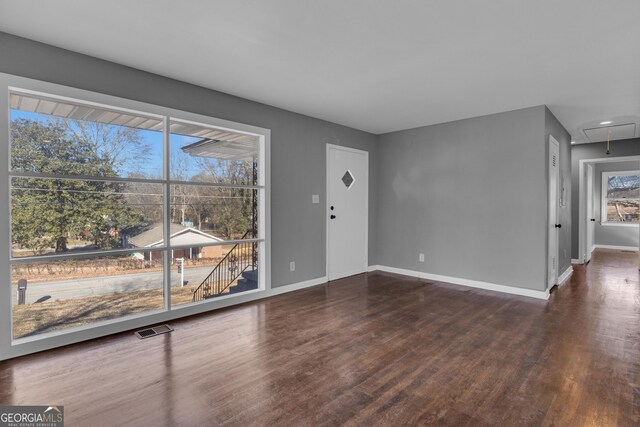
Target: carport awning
[222, 149]
[213, 142]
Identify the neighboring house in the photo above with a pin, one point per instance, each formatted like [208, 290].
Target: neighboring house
[153, 236]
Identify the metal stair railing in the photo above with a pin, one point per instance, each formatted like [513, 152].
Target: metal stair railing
[241, 256]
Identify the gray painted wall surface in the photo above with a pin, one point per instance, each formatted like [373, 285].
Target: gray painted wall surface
[471, 195]
[628, 147]
[616, 235]
[553, 127]
[298, 143]
[432, 190]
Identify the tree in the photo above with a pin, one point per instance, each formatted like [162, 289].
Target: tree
[229, 209]
[623, 186]
[623, 192]
[146, 199]
[47, 212]
[115, 145]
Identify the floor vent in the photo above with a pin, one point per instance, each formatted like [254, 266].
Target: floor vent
[152, 332]
[629, 252]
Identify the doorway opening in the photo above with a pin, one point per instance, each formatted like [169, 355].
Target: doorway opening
[609, 205]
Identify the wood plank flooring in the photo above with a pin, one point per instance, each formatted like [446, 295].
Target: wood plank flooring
[374, 349]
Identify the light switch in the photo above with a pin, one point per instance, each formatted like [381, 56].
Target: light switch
[315, 198]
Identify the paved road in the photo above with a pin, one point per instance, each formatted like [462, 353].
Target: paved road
[94, 286]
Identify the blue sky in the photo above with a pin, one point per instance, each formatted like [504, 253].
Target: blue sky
[152, 165]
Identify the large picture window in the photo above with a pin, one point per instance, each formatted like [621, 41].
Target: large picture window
[621, 197]
[116, 212]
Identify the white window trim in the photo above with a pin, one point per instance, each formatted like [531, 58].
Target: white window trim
[13, 348]
[603, 199]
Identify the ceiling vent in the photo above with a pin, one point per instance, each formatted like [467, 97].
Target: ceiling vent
[600, 134]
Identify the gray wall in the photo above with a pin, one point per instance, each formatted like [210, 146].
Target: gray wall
[553, 127]
[615, 235]
[297, 143]
[471, 195]
[628, 147]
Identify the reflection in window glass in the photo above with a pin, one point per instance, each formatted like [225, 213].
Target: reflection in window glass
[76, 292]
[62, 138]
[211, 155]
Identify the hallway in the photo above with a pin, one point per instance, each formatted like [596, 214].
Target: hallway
[594, 352]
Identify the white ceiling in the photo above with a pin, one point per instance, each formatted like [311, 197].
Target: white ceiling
[375, 65]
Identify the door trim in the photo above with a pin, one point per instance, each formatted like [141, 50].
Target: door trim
[330, 147]
[582, 199]
[550, 283]
[589, 173]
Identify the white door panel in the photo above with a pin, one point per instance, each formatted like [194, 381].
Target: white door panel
[347, 210]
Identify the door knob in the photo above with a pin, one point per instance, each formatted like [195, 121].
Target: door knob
[332, 217]
[593, 219]
[558, 225]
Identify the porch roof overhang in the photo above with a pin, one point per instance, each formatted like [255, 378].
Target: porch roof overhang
[214, 142]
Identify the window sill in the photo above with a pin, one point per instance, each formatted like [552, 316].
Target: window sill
[619, 224]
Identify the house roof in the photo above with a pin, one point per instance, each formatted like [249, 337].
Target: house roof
[180, 235]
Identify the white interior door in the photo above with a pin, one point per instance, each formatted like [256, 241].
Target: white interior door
[347, 211]
[554, 173]
[590, 218]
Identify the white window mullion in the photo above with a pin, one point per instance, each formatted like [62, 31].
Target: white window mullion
[156, 172]
[167, 255]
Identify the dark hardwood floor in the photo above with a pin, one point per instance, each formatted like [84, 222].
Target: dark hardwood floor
[374, 349]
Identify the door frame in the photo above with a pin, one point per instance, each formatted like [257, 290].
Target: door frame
[550, 283]
[582, 199]
[590, 170]
[328, 199]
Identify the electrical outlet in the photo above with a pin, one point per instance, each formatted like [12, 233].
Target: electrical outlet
[315, 198]
[292, 266]
[421, 257]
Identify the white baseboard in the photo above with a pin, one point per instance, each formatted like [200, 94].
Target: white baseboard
[296, 286]
[464, 282]
[580, 260]
[621, 248]
[565, 276]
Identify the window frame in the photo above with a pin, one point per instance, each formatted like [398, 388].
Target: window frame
[10, 347]
[604, 200]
